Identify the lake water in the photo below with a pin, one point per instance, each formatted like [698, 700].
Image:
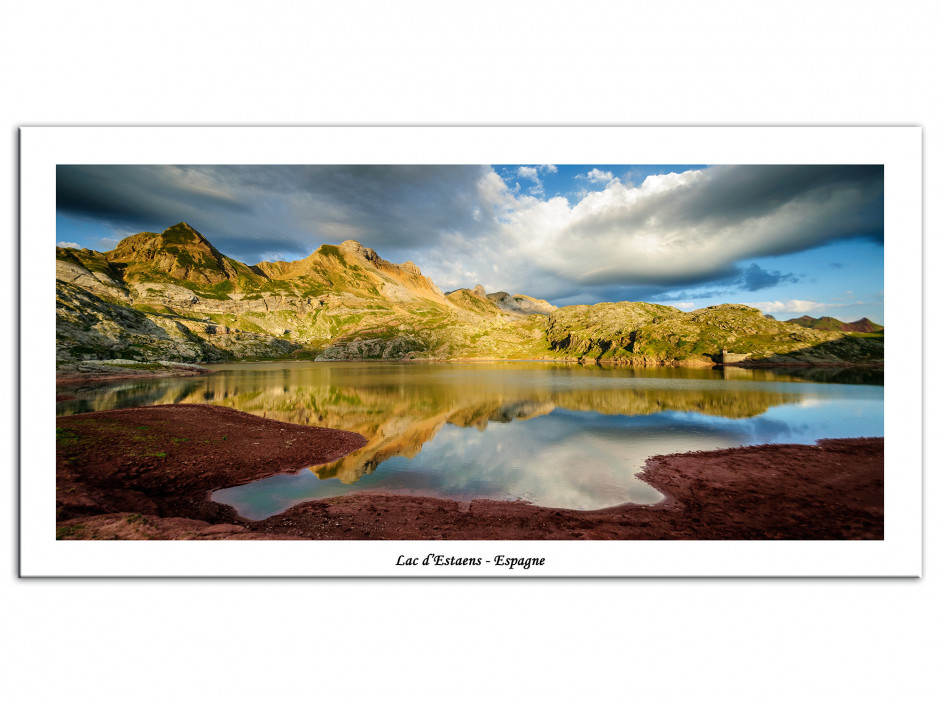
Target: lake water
[551, 434]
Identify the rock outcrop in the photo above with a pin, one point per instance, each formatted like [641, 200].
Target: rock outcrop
[521, 304]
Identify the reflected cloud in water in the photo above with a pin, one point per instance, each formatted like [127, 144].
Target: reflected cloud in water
[553, 435]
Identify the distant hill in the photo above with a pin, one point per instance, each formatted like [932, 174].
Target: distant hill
[644, 333]
[173, 296]
[477, 299]
[863, 325]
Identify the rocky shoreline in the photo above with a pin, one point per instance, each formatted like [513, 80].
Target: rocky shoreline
[100, 370]
[147, 473]
[104, 370]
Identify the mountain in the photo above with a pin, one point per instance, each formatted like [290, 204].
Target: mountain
[173, 296]
[863, 325]
[650, 334]
[476, 299]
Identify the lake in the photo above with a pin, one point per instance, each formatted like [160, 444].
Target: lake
[552, 434]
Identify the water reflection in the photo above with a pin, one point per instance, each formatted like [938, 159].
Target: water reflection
[555, 435]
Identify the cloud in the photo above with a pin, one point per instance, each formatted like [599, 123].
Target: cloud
[694, 227]
[249, 210]
[596, 176]
[528, 172]
[790, 306]
[532, 174]
[73, 245]
[103, 244]
[550, 168]
[675, 232]
[755, 278]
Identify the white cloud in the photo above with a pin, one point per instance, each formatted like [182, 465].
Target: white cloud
[689, 305]
[790, 306]
[550, 168]
[528, 172]
[103, 244]
[672, 230]
[596, 176]
[74, 245]
[801, 306]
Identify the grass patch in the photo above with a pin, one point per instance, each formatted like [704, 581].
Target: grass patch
[332, 251]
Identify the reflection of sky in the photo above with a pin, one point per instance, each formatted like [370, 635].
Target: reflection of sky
[578, 460]
[567, 458]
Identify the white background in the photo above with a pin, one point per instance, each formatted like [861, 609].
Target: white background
[667, 63]
[897, 148]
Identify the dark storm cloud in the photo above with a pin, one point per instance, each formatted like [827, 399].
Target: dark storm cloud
[728, 196]
[256, 211]
[735, 193]
[732, 194]
[463, 225]
[698, 226]
[732, 285]
[728, 284]
[129, 194]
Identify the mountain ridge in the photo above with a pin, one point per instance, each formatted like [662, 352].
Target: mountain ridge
[174, 296]
[340, 301]
[862, 325]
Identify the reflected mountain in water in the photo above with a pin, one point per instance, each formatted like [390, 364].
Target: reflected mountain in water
[557, 435]
[399, 408]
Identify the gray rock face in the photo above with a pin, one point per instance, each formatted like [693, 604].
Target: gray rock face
[524, 305]
[95, 282]
[90, 328]
[397, 348]
[356, 249]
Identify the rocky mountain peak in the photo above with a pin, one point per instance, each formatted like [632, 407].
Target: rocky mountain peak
[185, 229]
[357, 249]
[179, 236]
[180, 251]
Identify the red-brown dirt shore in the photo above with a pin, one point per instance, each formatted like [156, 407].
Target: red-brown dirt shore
[147, 473]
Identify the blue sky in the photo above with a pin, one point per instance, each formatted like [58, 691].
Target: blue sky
[791, 240]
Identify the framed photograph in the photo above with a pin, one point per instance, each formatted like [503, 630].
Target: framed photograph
[481, 351]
